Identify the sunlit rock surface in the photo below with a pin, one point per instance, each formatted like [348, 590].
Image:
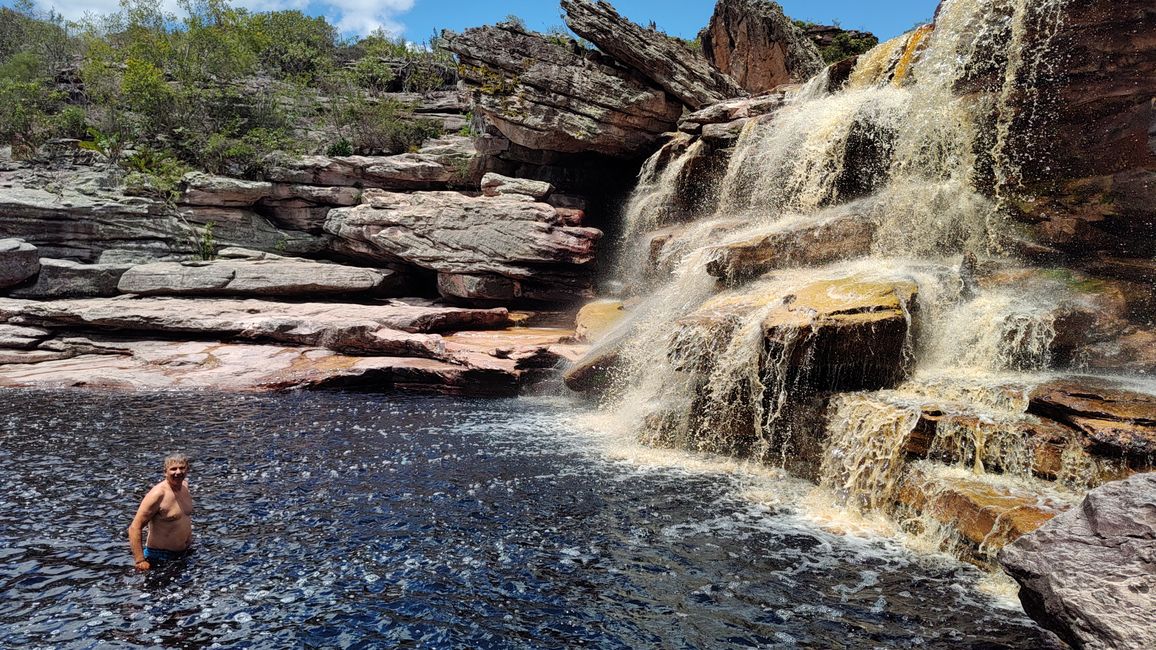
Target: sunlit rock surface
[679, 70]
[754, 42]
[545, 96]
[1087, 575]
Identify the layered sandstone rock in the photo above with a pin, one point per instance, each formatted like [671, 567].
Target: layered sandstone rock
[1083, 137]
[508, 236]
[68, 279]
[679, 70]
[273, 276]
[394, 329]
[1112, 420]
[545, 96]
[805, 241]
[1087, 574]
[19, 261]
[757, 45]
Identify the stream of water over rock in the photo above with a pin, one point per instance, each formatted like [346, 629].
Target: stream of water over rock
[344, 520]
[880, 197]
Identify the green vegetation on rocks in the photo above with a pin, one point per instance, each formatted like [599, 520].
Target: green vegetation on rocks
[217, 88]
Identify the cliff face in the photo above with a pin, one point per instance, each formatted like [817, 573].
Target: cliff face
[754, 42]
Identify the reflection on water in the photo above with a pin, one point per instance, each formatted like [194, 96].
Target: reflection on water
[347, 520]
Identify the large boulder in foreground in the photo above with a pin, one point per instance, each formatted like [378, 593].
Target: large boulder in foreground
[510, 236]
[546, 96]
[1087, 575]
[757, 45]
[666, 61]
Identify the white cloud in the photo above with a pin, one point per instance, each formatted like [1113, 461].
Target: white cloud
[349, 16]
[364, 16]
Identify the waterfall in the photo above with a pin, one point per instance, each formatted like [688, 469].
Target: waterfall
[828, 307]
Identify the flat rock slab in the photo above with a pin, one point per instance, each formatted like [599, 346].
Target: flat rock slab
[22, 338]
[154, 365]
[240, 277]
[1088, 575]
[394, 329]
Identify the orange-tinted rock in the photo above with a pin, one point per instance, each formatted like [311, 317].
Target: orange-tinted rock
[1113, 420]
[754, 42]
[983, 514]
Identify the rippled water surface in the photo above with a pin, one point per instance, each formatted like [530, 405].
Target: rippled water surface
[352, 520]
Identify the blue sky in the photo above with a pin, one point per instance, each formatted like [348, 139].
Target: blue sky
[417, 19]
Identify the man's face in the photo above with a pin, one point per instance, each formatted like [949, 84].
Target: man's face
[176, 472]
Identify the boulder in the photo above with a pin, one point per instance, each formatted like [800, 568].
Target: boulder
[804, 241]
[733, 110]
[19, 261]
[1087, 574]
[495, 184]
[835, 334]
[511, 236]
[278, 276]
[597, 318]
[1113, 420]
[758, 46]
[71, 225]
[68, 279]
[668, 62]
[547, 96]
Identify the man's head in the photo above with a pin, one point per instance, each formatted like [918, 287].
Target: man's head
[176, 468]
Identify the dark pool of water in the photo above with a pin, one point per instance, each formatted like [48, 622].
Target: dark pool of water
[351, 520]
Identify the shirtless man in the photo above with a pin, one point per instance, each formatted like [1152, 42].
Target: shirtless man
[167, 511]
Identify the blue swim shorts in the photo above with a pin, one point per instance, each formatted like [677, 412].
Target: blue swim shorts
[155, 555]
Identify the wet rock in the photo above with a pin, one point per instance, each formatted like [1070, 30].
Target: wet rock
[733, 110]
[68, 279]
[757, 45]
[19, 261]
[597, 318]
[1113, 420]
[806, 241]
[278, 276]
[677, 69]
[984, 514]
[1087, 574]
[546, 96]
[495, 184]
[1082, 134]
[511, 236]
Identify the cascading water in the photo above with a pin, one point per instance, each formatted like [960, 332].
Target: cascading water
[888, 181]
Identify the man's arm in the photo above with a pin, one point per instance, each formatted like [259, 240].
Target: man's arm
[149, 506]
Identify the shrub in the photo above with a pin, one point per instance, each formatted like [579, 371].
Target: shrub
[385, 126]
[342, 147]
